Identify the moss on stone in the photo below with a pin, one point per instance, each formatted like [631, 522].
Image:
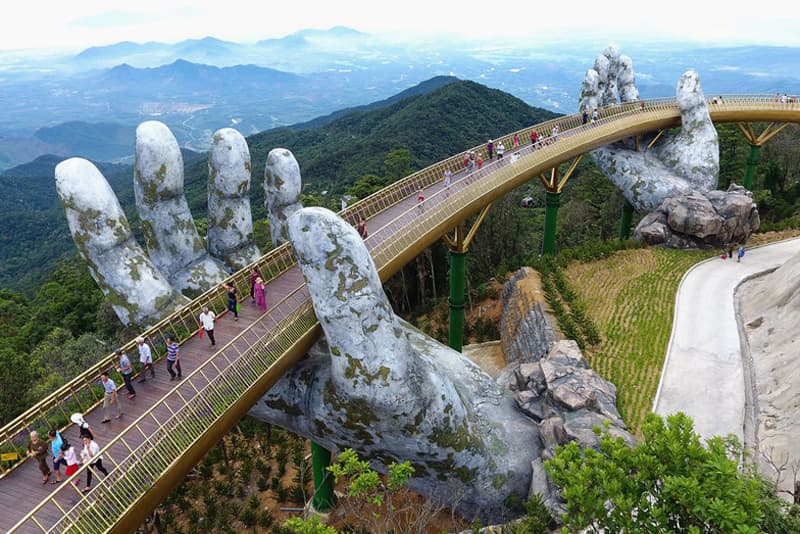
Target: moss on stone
[283, 406]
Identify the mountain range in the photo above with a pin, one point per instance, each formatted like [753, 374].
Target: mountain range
[197, 86]
[433, 120]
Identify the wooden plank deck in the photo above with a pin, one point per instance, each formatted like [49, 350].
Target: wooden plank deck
[21, 491]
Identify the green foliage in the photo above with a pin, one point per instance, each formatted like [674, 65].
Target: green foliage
[669, 482]
[313, 525]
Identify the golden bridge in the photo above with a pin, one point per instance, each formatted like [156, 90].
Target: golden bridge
[170, 426]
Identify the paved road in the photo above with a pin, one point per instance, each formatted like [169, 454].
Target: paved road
[703, 373]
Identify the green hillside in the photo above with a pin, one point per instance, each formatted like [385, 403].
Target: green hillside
[433, 125]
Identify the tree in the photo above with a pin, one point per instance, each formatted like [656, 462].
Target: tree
[670, 482]
[398, 163]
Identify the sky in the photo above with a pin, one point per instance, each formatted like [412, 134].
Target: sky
[79, 24]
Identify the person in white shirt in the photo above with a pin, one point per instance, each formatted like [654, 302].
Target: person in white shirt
[145, 357]
[207, 323]
[90, 455]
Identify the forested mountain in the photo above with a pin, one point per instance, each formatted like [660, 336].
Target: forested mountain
[432, 122]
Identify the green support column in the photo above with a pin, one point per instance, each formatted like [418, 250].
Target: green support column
[625, 221]
[455, 336]
[324, 499]
[552, 203]
[752, 164]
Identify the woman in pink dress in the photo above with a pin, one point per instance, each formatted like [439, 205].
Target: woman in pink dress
[260, 291]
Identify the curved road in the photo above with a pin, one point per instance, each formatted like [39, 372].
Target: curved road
[703, 373]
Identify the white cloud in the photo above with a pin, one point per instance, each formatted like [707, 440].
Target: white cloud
[84, 23]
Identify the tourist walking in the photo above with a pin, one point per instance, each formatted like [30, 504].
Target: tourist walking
[471, 162]
[479, 161]
[37, 448]
[207, 318]
[740, 254]
[233, 299]
[261, 294]
[420, 197]
[501, 149]
[254, 275]
[145, 358]
[516, 141]
[71, 459]
[595, 115]
[110, 398]
[585, 116]
[83, 425]
[361, 227]
[173, 358]
[91, 455]
[490, 149]
[126, 370]
[554, 132]
[534, 138]
[448, 176]
[56, 441]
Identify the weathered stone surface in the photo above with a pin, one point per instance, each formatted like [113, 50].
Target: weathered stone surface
[230, 226]
[526, 333]
[282, 192]
[173, 244]
[715, 219]
[383, 388]
[679, 168]
[143, 288]
[137, 291]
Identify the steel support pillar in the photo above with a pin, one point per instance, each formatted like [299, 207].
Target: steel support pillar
[752, 165]
[551, 205]
[323, 499]
[455, 336]
[625, 221]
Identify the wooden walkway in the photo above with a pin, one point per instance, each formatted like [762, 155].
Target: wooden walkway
[22, 489]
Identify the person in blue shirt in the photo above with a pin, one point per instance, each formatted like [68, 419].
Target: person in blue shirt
[58, 455]
[110, 398]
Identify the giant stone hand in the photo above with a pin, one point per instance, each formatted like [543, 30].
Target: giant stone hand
[674, 181]
[380, 386]
[143, 288]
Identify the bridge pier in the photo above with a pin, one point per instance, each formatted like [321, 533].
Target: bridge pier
[324, 498]
[752, 165]
[625, 221]
[459, 246]
[552, 201]
[756, 142]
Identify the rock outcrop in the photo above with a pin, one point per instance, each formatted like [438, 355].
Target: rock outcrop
[715, 219]
[526, 333]
[568, 400]
[670, 177]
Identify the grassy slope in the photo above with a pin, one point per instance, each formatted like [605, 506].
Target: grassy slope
[631, 298]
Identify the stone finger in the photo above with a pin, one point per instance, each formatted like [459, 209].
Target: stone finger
[282, 185]
[173, 243]
[230, 223]
[138, 292]
[693, 154]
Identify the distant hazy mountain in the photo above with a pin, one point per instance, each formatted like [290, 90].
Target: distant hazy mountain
[198, 86]
[104, 141]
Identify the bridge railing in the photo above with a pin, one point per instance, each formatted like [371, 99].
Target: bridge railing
[84, 392]
[175, 422]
